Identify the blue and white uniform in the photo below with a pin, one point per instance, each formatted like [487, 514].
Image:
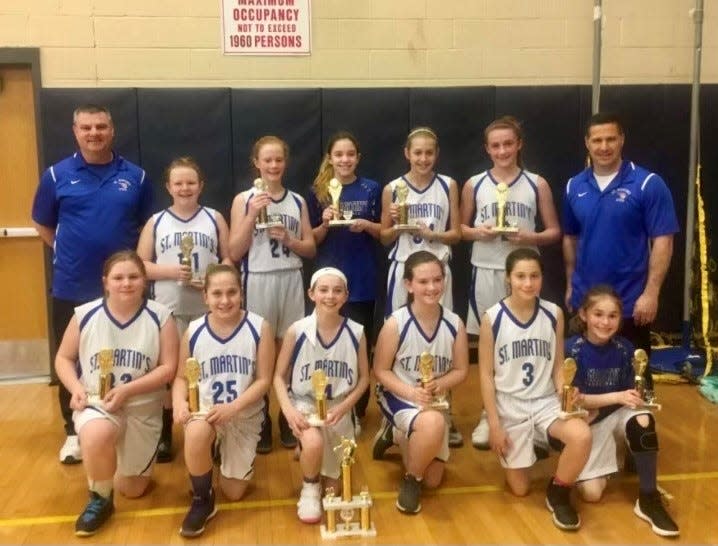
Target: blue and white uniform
[271, 272]
[136, 350]
[488, 258]
[524, 356]
[634, 208]
[184, 301]
[228, 366]
[339, 359]
[432, 207]
[604, 369]
[352, 253]
[95, 210]
[412, 342]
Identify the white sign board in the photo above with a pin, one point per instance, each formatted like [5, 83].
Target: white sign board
[266, 27]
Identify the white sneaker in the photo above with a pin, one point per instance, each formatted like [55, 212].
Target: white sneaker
[309, 507]
[480, 436]
[70, 451]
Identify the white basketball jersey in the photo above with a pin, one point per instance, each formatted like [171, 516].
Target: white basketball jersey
[228, 366]
[135, 345]
[430, 206]
[338, 357]
[266, 254]
[168, 232]
[413, 341]
[524, 353]
[521, 204]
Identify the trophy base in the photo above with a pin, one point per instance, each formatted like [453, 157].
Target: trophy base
[352, 529]
[341, 223]
[411, 228]
[347, 528]
[578, 413]
[94, 400]
[441, 405]
[505, 229]
[315, 421]
[268, 225]
[650, 406]
[198, 414]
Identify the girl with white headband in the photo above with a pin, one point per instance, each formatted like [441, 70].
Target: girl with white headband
[336, 345]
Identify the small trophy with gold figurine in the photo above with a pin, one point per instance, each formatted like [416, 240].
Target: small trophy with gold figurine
[319, 386]
[568, 409]
[401, 189]
[341, 217]
[347, 505]
[105, 361]
[186, 247]
[264, 219]
[640, 363]
[502, 225]
[192, 375]
[426, 374]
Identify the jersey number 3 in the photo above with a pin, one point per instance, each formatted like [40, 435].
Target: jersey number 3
[528, 369]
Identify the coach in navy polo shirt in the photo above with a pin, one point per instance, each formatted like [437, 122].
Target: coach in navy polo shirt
[618, 221]
[87, 207]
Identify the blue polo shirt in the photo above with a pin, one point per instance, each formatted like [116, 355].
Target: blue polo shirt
[613, 229]
[354, 254]
[95, 210]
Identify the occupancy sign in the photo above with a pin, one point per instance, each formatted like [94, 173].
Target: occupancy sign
[266, 27]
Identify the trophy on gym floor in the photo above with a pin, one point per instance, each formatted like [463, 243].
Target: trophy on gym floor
[640, 363]
[319, 386]
[105, 361]
[402, 192]
[192, 373]
[426, 374]
[264, 220]
[341, 217]
[502, 225]
[186, 246]
[347, 504]
[568, 409]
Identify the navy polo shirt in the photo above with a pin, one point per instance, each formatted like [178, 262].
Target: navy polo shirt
[354, 254]
[613, 229]
[95, 210]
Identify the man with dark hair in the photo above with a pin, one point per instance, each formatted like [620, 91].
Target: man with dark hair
[87, 207]
[618, 222]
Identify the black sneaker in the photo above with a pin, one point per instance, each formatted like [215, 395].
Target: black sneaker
[286, 436]
[265, 436]
[383, 439]
[649, 507]
[200, 512]
[164, 451]
[98, 511]
[409, 499]
[558, 501]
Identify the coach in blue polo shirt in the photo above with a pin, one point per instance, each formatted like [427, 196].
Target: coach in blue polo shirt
[618, 221]
[87, 207]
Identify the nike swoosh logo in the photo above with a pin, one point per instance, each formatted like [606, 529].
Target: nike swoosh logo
[582, 194]
[73, 182]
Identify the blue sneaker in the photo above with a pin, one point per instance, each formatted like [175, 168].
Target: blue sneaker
[200, 512]
[97, 512]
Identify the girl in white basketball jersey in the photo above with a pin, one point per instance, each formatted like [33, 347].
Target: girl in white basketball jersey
[433, 201]
[528, 194]
[119, 433]
[520, 357]
[422, 327]
[235, 351]
[179, 286]
[272, 258]
[327, 341]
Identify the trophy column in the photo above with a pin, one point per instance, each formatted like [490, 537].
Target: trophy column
[568, 410]
[402, 192]
[640, 363]
[426, 373]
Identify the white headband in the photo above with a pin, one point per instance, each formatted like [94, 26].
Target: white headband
[327, 271]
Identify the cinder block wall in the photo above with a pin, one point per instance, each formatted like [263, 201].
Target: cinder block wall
[364, 43]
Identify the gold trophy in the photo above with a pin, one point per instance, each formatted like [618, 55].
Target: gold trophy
[319, 386]
[192, 374]
[640, 363]
[186, 246]
[341, 218]
[264, 220]
[568, 410]
[502, 226]
[105, 361]
[348, 504]
[402, 192]
[426, 374]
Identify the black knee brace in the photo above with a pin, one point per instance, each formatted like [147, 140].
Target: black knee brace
[641, 438]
